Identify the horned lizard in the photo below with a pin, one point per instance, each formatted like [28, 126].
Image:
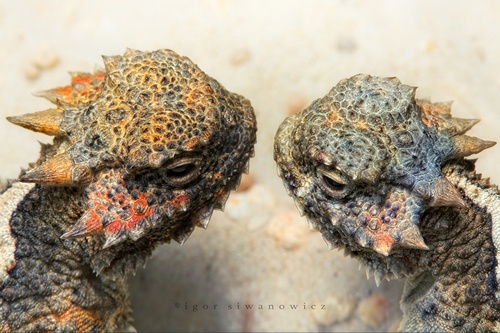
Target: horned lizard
[384, 176]
[143, 152]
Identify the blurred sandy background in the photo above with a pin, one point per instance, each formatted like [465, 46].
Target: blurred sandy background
[281, 55]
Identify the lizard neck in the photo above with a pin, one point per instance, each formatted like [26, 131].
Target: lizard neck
[457, 287]
[58, 271]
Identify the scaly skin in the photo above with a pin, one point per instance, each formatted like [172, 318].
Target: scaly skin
[143, 153]
[383, 176]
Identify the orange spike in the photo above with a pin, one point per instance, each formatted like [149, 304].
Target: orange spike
[465, 145]
[47, 121]
[383, 245]
[58, 171]
[88, 224]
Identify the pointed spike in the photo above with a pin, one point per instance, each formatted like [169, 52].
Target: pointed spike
[55, 171]
[465, 145]
[220, 202]
[396, 271]
[383, 246]
[181, 236]
[113, 238]
[443, 193]
[138, 230]
[110, 62]
[278, 171]
[458, 126]
[369, 271]
[130, 52]
[328, 244]
[379, 276]
[58, 171]
[50, 95]
[88, 224]
[246, 167]
[312, 225]
[202, 217]
[411, 238]
[237, 183]
[360, 265]
[47, 121]
[299, 206]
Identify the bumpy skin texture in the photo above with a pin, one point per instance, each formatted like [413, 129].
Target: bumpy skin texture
[383, 176]
[143, 153]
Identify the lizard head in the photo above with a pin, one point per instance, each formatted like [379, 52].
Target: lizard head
[364, 162]
[154, 143]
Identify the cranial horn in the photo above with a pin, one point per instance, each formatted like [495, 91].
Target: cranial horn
[465, 145]
[52, 95]
[88, 224]
[131, 52]
[443, 193]
[411, 238]
[110, 62]
[47, 121]
[457, 126]
[58, 171]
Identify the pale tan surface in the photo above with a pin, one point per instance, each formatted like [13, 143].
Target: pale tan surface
[281, 55]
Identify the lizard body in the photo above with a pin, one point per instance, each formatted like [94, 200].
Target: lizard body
[384, 176]
[143, 152]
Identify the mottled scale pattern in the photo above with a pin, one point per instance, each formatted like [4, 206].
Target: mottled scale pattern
[143, 152]
[382, 175]
[147, 136]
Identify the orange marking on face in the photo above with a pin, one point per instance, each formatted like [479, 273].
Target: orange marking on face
[384, 239]
[64, 92]
[94, 222]
[192, 143]
[115, 226]
[180, 200]
[140, 210]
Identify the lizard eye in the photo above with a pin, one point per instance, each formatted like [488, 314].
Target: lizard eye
[183, 171]
[333, 183]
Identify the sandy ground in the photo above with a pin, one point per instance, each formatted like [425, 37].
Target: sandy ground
[258, 267]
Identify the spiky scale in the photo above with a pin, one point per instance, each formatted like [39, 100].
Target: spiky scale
[182, 235]
[88, 224]
[379, 276]
[47, 121]
[202, 216]
[465, 145]
[58, 171]
[110, 62]
[458, 126]
[411, 238]
[383, 246]
[441, 193]
[115, 237]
